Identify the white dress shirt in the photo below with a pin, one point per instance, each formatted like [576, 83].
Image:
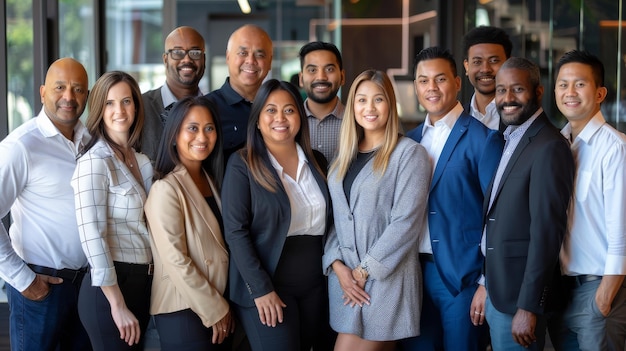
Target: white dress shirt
[307, 203]
[491, 118]
[595, 242]
[36, 167]
[434, 138]
[109, 211]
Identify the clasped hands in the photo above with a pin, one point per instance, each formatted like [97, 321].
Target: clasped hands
[353, 289]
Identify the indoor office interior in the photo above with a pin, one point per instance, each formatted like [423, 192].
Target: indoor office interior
[128, 35]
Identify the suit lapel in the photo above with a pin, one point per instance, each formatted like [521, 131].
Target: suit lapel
[534, 128]
[460, 127]
[199, 202]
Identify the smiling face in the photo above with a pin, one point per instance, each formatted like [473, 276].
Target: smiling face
[321, 76]
[436, 87]
[184, 72]
[576, 93]
[249, 59]
[516, 98]
[197, 136]
[119, 112]
[371, 108]
[279, 121]
[482, 65]
[64, 95]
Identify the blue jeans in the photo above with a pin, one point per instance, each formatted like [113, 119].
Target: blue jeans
[500, 327]
[50, 324]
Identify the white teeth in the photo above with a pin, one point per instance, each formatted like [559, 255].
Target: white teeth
[509, 108]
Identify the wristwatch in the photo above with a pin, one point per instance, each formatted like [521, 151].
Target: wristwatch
[360, 273]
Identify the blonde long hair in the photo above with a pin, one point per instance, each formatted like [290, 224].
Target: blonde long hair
[352, 133]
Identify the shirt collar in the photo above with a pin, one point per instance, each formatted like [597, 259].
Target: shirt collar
[337, 112]
[168, 97]
[513, 130]
[595, 123]
[301, 161]
[448, 120]
[230, 95]
[48, 129]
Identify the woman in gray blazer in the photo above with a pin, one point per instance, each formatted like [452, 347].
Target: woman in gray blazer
[379, 187]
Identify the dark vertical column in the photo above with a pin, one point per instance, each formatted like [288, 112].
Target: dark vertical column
[45, 41]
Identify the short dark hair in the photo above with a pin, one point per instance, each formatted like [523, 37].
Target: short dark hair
[167, 157]
[524, 64]
[487, 35]
[434, 52]
[586, 58]
[319, 45]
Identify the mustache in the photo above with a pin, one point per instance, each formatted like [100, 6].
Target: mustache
[321, 84]
[510, 104]
[188, 65]
[64, 103]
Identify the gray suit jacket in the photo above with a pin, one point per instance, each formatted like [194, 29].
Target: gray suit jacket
[152, 127]
[378, 228]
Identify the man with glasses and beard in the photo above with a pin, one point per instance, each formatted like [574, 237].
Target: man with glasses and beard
[525, 212]
[184, 60]
[321, 76]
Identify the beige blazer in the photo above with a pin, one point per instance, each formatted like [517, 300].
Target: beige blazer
[190, 257]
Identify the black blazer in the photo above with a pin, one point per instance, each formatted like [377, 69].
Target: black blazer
[256, 222]
[527, 221]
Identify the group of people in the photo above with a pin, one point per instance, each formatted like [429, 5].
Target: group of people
[248, 217]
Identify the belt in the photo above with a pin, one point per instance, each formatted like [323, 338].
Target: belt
[66, 274]
[134, 268]
[586, 278]
[426, 257]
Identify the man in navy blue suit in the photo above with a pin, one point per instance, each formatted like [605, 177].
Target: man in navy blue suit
[465, 155]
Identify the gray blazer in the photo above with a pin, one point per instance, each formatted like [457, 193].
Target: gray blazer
[152, 126]
[379, 229]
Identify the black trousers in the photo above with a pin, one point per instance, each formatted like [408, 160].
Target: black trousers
[184, 331]
[299, 282]
[95, 311]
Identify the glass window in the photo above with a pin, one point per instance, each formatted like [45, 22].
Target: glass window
[21, 89]
[135, 40]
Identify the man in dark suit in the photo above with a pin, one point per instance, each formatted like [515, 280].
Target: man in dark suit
[184, 61]
[465, 155]
[525, 212]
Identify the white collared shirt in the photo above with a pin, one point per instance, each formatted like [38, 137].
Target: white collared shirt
[35, 170]
[595, 242]
[434, 138]
[308, 205]
[109, 211]
[491, 118]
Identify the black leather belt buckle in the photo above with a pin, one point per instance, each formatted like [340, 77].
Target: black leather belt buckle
[151, 269]
[586, 278]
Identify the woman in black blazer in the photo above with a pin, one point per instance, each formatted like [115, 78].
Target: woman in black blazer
[276, 210]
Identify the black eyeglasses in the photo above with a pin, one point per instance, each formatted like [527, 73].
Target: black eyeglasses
[179, 54]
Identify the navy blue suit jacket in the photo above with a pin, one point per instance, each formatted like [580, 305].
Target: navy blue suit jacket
[455, 205]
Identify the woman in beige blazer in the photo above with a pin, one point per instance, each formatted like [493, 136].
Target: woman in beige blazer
[183, 213]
